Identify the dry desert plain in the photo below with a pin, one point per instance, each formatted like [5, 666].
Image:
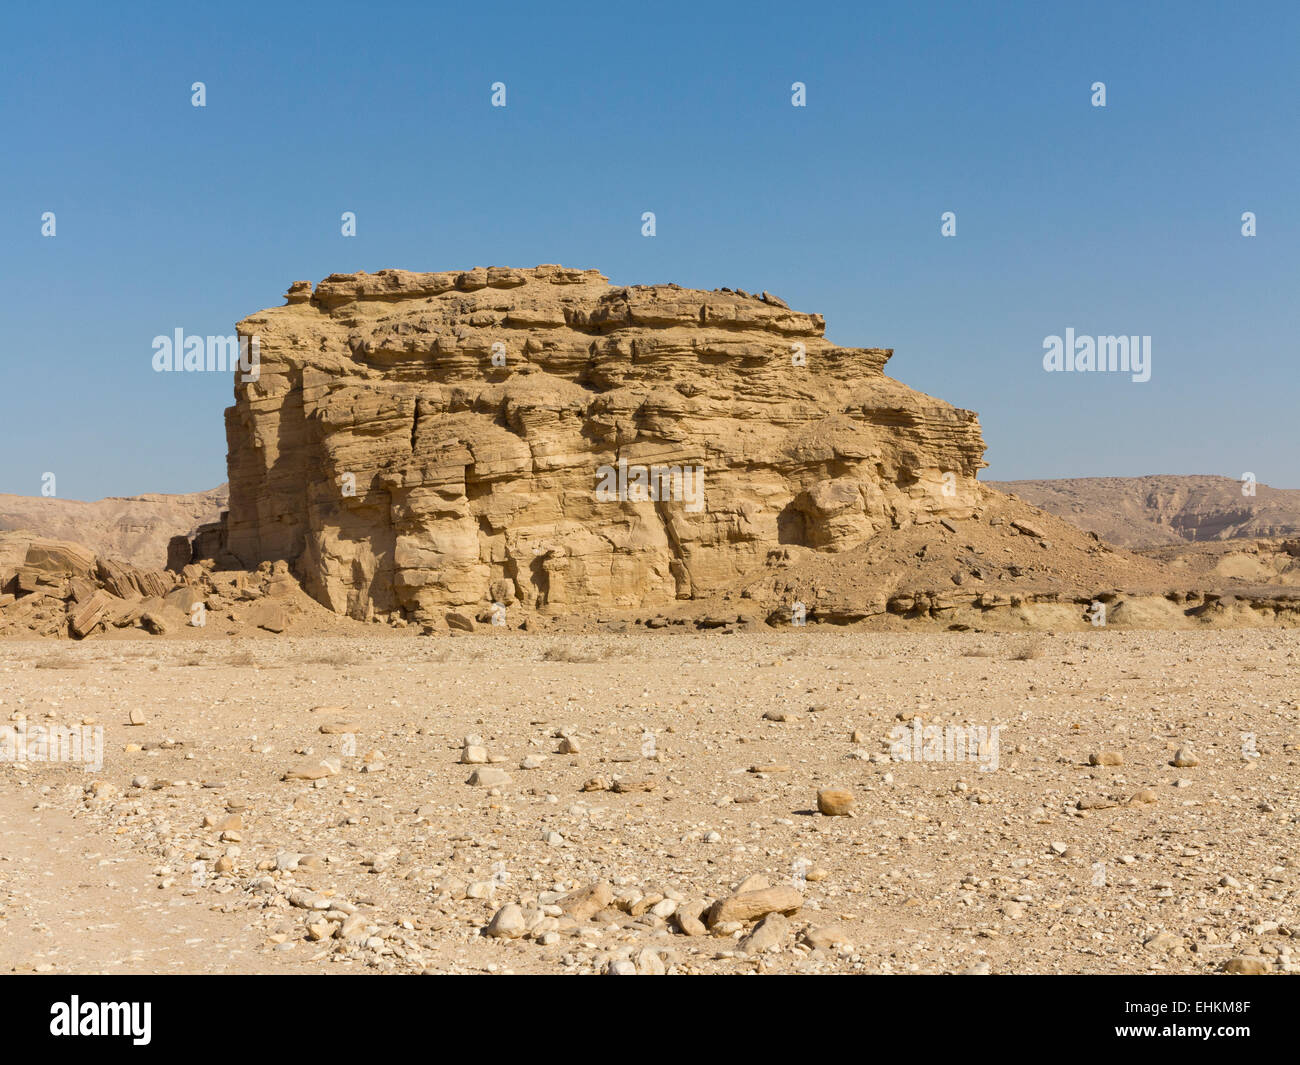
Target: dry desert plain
[649, 804]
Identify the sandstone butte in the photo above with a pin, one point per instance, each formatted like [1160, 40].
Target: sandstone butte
[400, 470]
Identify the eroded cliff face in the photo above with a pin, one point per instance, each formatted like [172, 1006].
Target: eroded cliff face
[428, 442]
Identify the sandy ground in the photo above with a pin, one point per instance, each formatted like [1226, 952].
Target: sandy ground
[189, 851]
[74, 902]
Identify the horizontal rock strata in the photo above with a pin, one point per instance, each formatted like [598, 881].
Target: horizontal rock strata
[419, 443]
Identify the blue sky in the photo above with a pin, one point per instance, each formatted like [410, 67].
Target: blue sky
[1115, 220]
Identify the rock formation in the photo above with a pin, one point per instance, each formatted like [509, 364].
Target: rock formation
[58, 588]
[427, 442]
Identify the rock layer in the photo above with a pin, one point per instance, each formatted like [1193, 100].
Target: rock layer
[426, 442]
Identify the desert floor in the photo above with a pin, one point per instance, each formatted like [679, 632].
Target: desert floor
[189, 851]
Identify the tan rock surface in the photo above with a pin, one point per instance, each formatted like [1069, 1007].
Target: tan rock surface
[398, 468]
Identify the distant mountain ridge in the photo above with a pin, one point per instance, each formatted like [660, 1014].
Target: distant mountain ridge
[1137, 512]
[135, 529]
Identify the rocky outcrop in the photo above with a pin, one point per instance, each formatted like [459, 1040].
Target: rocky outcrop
[60, 588]
[419, 443]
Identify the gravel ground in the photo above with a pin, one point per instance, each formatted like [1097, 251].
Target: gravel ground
[650, 803]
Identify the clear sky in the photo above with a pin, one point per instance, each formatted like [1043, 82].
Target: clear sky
[1117, 220]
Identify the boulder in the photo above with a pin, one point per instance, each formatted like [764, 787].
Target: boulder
[747, 906]
[83, 617]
